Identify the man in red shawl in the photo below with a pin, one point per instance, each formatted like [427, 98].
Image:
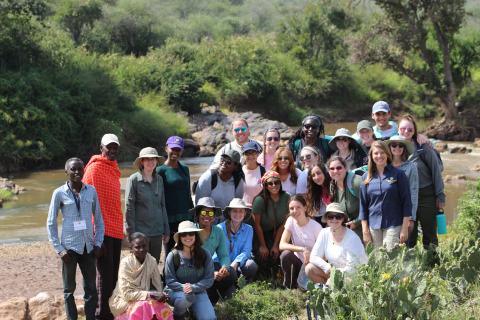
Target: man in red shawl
[103, 173]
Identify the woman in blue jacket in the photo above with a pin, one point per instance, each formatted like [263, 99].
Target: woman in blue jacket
[385, 202]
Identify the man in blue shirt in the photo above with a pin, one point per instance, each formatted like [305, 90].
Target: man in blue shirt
[81, 241]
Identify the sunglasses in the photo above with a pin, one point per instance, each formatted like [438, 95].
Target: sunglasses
[273, 183]
[241, 129]
[397, 145]
[309, 126]
[406, 129]
[184, 234]
[338, 168]
[306, 157]
[273, 138]
[226, 161]
[334, 217]
[283, 158]
[207, 213]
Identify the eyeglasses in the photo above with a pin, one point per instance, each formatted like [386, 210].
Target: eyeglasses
[397, 145]
[226, 161]
[205, 213]
[273, 183]
[338, 168]
[309, 126]
[273, 138]
[283, 158]
[406, 129]
[306, 157]
[184, 234]
[334, 217]
[241, 129]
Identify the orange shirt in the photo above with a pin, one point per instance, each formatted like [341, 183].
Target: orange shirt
[104, 175]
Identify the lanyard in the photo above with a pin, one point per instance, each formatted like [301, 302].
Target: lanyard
[76, 197]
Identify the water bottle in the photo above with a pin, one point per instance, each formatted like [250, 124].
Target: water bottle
[441, 222]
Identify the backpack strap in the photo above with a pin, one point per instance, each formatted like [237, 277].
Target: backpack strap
[214, 179]
[262, 170]
[350, 177]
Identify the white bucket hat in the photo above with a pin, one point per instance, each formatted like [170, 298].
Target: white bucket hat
[147, 152]
[399, 139]
[237, 203]
[335, 208]
[185, 227]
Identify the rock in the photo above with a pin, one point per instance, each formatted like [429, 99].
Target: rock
[14, 309]
[191, 148]
[476, 167]
[450, 130]
[455, 178]
[46, 307]
[476, 143]
[460, 149]
[441, 146]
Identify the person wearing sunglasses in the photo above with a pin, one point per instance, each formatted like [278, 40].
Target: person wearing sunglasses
[215, 242]
[241, 134]
[297, 240]
[224, 182]
[239, 238]
[318, 191]
[270, 210]
[401, 149]
[431, 193]
[188, 274]
[284, 164]
[271, 142]
[345, 190]
[311, 133]
[336, 246]
[385, 201]
[309, 156]
[253, 172]
[348, 148]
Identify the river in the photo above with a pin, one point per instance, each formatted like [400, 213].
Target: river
[24, 219]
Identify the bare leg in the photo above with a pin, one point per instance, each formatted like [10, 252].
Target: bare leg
[316, 274]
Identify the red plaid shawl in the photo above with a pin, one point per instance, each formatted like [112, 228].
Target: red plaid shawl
[104, 175]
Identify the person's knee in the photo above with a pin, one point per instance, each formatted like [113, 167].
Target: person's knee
[250, 269]
[310, 269]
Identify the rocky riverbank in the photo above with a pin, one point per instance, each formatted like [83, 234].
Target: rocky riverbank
[9, 190]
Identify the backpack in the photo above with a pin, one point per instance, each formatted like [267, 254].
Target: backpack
[350, 177]
[214, 180]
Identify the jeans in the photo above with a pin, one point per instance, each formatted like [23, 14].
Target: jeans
[86, 262]
[249, 270]
[107, 275]
[224, 288]
[199, 302]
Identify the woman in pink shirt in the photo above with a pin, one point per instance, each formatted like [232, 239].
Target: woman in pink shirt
[253, 172]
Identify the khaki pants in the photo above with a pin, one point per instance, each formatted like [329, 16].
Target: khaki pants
[388, 238]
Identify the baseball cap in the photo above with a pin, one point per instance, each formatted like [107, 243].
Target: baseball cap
[175, 142]
[109, 138]
[252, 145]
[364, 124]
[380, 106]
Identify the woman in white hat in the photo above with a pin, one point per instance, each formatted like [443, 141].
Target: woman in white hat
[239, 238]
[348, 148]
[401, 150]
[189, 273]
[336, 246]
[145, 202]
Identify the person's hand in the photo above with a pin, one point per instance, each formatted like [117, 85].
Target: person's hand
[404, 234]
[187, 288]
[263, 250]
[440, 204]
[351, 224]
[97, 251]
[275, 252]
[165, 238]
[306, 256]
[224, 272]
[411, 224]
[217, 276]
[423, 139]
[367, 237]
[65, 257]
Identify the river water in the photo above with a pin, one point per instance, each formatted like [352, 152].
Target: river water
[24, 219]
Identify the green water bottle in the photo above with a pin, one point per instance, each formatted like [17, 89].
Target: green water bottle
[441, 222]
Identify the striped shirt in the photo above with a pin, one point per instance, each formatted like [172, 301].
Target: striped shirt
[63, 199]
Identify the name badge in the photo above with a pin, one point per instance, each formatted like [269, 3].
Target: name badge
[79, 225]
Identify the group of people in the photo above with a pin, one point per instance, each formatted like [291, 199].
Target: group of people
[260, 210]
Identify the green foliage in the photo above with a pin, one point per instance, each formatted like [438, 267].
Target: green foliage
[260, 301]
[76, 16]
[5, 195]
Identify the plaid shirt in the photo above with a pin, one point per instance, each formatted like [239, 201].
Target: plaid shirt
[63, 199]
[104, 175]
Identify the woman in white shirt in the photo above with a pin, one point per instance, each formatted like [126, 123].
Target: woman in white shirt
[297, 240]
[336, 246]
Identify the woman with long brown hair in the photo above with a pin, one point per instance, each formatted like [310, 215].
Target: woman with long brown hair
[318, 191]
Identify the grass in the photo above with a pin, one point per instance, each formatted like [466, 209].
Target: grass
[5, 194]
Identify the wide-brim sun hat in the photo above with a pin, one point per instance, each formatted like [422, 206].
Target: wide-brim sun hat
[237, 203]
[185, 227]
[205, 202]
[147, 152]
[342, 132]
[334, 207]
[399, 139]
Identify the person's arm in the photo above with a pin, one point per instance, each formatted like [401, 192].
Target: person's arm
[413, 179]
[204, 186]
[406, 203]
[171, 279]
[98, 220]
[208, 278]
[434, 165]
[190, 201]
[166, 226]
[130, 199]
[52, 227]
[318, 252]
[127, 286]
[363, 214]
[275, 250]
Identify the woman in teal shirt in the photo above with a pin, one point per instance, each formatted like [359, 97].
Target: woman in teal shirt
[176, 181]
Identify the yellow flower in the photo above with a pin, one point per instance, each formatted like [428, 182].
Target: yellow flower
[386, 276]
[405, 280]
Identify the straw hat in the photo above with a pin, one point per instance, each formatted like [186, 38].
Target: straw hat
[237, 203]
[334, 207]
[408, 144]
[147, 152]
[205, 202]
[185, 227]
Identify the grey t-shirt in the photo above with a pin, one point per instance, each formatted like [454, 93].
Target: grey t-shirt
[223, 192]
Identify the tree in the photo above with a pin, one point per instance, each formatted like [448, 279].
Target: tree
[417, 38]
